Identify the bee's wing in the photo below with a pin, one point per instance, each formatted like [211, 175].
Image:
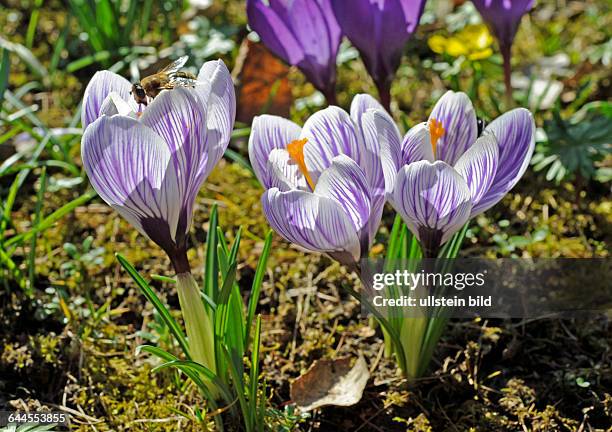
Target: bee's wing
[183, 81]
[175, 65]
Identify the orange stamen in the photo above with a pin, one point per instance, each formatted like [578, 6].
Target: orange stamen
[436, 131]
[296, 151]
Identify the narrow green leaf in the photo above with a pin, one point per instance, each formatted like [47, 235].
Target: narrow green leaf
[211, 269]
[148, 292]
[260, 272]
[240, 390]
[40, 196]
[5, 63]
[254, 376]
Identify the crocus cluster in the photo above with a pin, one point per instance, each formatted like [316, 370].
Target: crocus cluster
[307, 34]
[326, 183]
[149, 163]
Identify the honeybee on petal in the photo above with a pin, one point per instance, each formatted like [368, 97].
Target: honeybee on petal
[166, 79]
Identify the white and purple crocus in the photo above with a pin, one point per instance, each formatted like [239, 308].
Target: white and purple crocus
[149, 163]
[325, 188]
[304, 33]
[442, 173]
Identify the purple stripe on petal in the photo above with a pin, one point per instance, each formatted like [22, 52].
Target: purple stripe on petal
[130, 167]
[100, 86]
[432, 196]
[268, 133]
[345, 182]
[314, 222]
[456, 113]
[478, 167]
[416, 145]
[330, 132]
[515, 134]
[178, 117]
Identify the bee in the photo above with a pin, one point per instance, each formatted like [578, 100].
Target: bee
[165, 79]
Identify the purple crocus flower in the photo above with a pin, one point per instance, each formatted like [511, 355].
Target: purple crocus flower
[304, 33]
[504, 17]
[443, 174]
[325, 187]
[149, 164]
[379, 29]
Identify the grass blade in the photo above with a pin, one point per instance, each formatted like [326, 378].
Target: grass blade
[175, 329]
[37, 212]
[260, 272]
[211, 269]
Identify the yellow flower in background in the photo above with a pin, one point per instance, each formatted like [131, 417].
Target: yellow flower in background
[473, 42]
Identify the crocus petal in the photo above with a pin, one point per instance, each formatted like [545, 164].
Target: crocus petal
[315, 28]
[114, 104]
[456, 113]
[269, 132]
[515, 134]
[362, 103]
[478, 166]
[433, 200]
[220, 109]
[377, 130]
[304, 33]
[283, 172]
[100, 86]
[179, 118]
[130, 166]
[381, 133]
[314, 222]
[273, 31]
[345, 182]
[329, 133]
[417, 145]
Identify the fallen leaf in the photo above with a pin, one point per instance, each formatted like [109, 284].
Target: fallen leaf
[263, 86]
[330, 382]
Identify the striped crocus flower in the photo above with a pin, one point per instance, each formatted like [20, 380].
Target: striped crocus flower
[325, 188]
[442, 173]
[149, 164]
[304, 33]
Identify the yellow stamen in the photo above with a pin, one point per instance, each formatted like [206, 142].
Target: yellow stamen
[436, 131]
[296, 151]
